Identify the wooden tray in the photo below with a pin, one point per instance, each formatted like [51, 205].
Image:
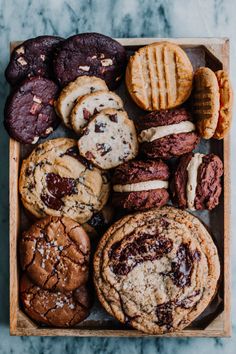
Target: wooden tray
[215, 322]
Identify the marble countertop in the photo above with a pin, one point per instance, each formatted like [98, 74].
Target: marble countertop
[117, 18]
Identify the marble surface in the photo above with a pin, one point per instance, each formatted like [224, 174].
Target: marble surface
[20, 19]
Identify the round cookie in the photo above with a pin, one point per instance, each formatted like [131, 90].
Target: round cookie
[32, 58]
[140, 185]
[55, 254]
[29, 111]
[159, 76]
[54, 308]
[55, 180]
[166, 134]
[93, 55]
[196, 184]
[157, 270]
[109, 139]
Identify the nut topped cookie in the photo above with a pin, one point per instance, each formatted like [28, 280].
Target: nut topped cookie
[55, 180]
[54, 308]
[167, 133]
[55, 254]
[157, 270]
[140, 185]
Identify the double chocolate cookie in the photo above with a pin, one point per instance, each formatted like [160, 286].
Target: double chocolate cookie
[90, 54]
[166, 134]
[156, 270]
[29, 111]
[55, 180]
[197, 181]
[55, 254]
[32, 58]
[140, 185]
[54, 308]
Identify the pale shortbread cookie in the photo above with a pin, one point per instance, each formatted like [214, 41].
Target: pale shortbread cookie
[156, 270]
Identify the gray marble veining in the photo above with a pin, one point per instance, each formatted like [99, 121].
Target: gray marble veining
[21, 19]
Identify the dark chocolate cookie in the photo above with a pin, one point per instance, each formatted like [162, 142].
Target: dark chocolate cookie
[55, 254]
[166, 134]
[32, 58]
[196, 183]
[91, 54]
[54, 308]
[29, 111]
[140, 185]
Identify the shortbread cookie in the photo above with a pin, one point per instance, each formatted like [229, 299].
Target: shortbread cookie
[29, 111]
[32, 58]
[226, 104]
[55, 180]
[55, 254]
[109, 139]
[159, 76]
[157, 270]
[54, 308]
[140, 185]
[91, 104]
[74, 90]
[90, 54]
[197, 181]
[166, 134]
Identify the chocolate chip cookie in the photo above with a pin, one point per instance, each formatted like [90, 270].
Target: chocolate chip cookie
[140, 185]
[196, 183]
[29, 111]
[32, 58]
[55, 180]
[55, 254]
[90, 54]
[156, 270]
[167, 133]
[54, 308]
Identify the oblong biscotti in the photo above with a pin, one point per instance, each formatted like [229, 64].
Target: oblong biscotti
[157, 270]
[159, 76]
[109, 139]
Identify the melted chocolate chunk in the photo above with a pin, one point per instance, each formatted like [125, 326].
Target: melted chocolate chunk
[134, 250]
[60, 186]
[74, 152]
[51, 201]
[188, 301]
[164, 314]
[100, 127]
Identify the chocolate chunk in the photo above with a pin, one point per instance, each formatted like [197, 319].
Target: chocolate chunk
[113, 118]
[74, 152]
[86, 114]
[164, 314]
[100, 127]
[60, 186]
[51, 202]
[104, 148]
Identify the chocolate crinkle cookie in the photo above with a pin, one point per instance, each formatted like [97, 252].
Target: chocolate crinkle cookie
[32, 58]
[29, 111]
[140, 185]
[167, 133]
[55, 252]
[54, 308]
[196, 184]
[91, 54]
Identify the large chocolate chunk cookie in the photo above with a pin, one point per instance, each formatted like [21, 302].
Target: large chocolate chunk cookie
[91, 54]
[156, 270]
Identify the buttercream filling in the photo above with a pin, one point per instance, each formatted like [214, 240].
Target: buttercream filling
[140, 186]
[192, 169]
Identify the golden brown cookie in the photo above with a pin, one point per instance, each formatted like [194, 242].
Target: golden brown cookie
[159, 76]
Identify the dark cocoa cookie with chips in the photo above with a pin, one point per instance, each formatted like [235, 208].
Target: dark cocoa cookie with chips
[140, 185]
[29, 110]
[196, 184]
[55, 254]
[167, 133]
[157, 270]
[32, 58]
[91, 54]
[54, 308]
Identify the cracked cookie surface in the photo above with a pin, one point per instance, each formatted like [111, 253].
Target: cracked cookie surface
[55, 254]
[54, 308]
[55, 180]
[156, 270]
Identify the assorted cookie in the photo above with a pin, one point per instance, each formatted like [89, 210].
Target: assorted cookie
[166, 134]
[212, 102]
[156, 270]
[196, 183]
[140, 185]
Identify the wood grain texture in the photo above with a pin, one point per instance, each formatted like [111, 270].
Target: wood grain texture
[20, 325]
